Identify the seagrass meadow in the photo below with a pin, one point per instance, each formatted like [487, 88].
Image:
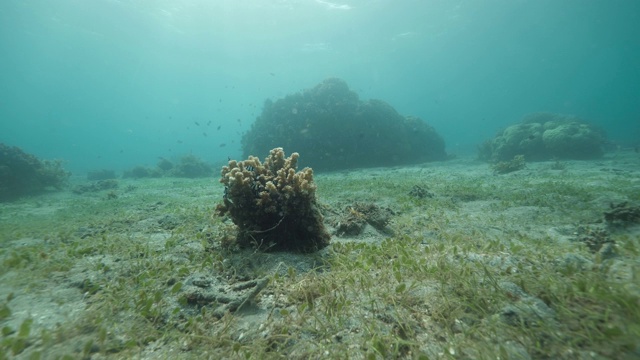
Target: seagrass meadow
[448, 260]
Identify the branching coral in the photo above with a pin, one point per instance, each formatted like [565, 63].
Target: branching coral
[273, 206]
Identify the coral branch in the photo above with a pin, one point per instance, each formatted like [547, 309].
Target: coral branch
[273, 206]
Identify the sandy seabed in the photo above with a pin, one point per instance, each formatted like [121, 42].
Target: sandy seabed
[465, 264]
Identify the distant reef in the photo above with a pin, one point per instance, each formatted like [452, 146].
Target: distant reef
[333, 129]
[24, 174]
[189, 166]
[544, 136]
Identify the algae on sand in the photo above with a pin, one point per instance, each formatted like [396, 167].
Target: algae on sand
[484, 266]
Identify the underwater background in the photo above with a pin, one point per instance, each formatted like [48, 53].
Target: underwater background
[444, 179]
[112, 84]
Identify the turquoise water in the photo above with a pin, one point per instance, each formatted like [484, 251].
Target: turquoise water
[113, 84]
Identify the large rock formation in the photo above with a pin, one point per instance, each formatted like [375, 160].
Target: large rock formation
[24, 174]
[333, 129]
[543, 136]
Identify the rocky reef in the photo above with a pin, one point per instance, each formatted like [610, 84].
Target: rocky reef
[545, 136]
[333, 129]
[505, 167]
[189, 166]
[24, 174]
[98, 175]
[273, 206]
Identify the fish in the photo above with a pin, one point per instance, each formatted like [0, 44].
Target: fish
[272, 74]
[179, 141]
[204, 133]
[197, 123]
[223, 145]
[209, 123]
[219, 126]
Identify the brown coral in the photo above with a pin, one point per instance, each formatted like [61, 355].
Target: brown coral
[272, 205]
